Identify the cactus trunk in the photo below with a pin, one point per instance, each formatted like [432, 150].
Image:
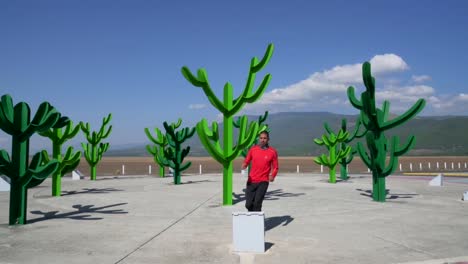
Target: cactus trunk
[57, 175]
[161, 171]
[93, 173]
[344, 170]
[18, 191]
[379, 191]
[227, 184]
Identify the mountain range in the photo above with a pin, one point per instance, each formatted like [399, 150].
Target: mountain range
[292, 134]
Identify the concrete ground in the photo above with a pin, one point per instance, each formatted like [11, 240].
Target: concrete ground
[143, 219]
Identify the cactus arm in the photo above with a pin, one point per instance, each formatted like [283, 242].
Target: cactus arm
[70, 161]
[319, 142]
[244, 141]
[262, 118]
[352, 98]
[363, 154]
[410, 113]
[405, 148]
[160, 140]
[202, 81]
[206, 135]
[327, 128]
[5, 163]
[7, 114]
[37, 172]
[185, 166]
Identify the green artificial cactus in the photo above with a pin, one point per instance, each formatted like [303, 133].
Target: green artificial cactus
[174, 154]
[343, 145]
[69, 161]
[229, 107]
[15, 121]
[161, 141]
[376, 121]
[263, 127]
[335, 154]
[94, 149]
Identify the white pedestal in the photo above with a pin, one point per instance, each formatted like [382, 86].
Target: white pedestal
[77, 175]
[248, 231]
[465, 196]
[437, 181]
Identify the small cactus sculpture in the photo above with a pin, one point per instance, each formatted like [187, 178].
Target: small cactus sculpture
[67, 163]
[15, 121]
[263, 127]
[229, 107]
[161, 141]
[356, 134]
[94, 149]
[174, 154]
[335, 155]
[376, 121]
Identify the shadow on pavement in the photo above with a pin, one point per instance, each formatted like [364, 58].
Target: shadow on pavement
[91, 190]
[272, 222]
[270, 195]
[83, 212]
[368, 193]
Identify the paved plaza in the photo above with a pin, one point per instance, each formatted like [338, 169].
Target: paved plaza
[143, 219]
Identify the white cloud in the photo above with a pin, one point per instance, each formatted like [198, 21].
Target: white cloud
[327, 91]
[197, 106]
[420, 78]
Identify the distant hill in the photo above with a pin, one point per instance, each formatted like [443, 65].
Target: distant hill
[292, 134]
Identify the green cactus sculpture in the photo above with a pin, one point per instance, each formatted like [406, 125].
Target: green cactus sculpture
[67, 163]
[229, 107]
[16, 121]
[263, 127]
[376, 121]
[334, 154]
[94, 149]
[174, 154]
[356, 134]
[161, 141]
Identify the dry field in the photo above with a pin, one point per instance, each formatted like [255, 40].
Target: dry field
[140, 165]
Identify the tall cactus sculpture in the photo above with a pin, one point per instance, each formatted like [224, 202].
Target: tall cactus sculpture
[69, 161]
[334, 154]
[161, 141]
[94, 149]
[376, 121]
[174, 154]
[343, 145]
[229, 107]
[16, 121]
[262, 126]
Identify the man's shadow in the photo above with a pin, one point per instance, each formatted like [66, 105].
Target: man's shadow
[368, 193]
[272, 222]
[91, 190]
[83, 212]
[270, 195]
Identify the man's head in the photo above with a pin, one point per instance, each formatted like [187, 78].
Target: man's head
[263, 139]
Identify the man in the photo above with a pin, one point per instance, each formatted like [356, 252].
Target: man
[264, 158]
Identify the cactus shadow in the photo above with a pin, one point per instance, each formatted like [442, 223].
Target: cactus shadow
[275, 221]
[393, 196]
[270, 195]
[83, 212]
[192, 182]
[91, 190]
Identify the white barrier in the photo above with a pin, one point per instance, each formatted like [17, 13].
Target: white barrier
[437, 181]
[248, 231]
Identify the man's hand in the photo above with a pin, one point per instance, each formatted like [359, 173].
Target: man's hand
[244, 166]
[272, 179]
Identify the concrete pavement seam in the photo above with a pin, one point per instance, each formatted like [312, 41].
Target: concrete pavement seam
[165, 229]
[410, 248]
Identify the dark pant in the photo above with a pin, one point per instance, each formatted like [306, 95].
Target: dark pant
[254, 195]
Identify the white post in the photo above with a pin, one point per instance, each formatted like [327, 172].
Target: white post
[459, 165]
[123, 169]
[200, 168]
[445, 165]
[437, 165]
[321, 168]
[420, 166]
[368, 170]
[411, 166]
[429, 165]
[297, 168]
[452, 165]
[465, 165]
[400, 166]
[149, 170]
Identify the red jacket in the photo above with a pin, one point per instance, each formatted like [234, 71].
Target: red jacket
[263, 160]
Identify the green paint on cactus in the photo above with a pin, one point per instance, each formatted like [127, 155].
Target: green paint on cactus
[160, 144]
[343, 145]
[229, 107]
[174, 154]
[335, 154]
[376, 121]
[94, 149]
[15, 121]
[69, 161]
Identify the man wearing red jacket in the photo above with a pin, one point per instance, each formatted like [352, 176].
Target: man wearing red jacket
[264, 158]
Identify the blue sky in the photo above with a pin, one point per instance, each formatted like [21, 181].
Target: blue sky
[91, 58]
